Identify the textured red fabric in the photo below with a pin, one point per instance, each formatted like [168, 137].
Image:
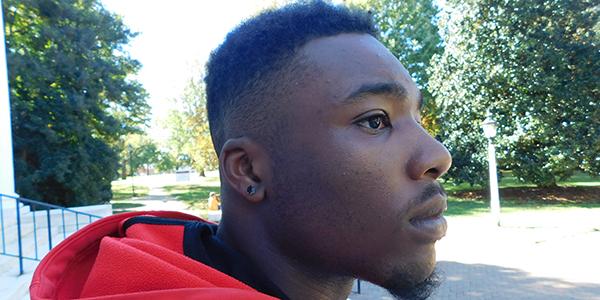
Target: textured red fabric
[189, 294]
[95, 262]
[168, 236]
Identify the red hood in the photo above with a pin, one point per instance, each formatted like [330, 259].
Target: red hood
[101, 262]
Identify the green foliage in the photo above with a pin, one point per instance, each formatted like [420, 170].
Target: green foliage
[534, 65]
[190, 142]
[144, 156]
[70, 97]
[138, 151]
[409, 30]
[165, 162]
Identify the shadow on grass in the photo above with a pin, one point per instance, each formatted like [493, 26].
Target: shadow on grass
[462, 207]
[125, 192]
[466, 207]
[509, 182]
[579, 191]
[125, 205]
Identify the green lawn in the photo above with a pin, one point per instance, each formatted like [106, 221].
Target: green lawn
[124, 206]
[507, 180]
[122, 191]
[195, 196]
[581, 180]
[122, 194]
[462, 206]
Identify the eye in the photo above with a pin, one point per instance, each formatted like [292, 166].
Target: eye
[374, 122]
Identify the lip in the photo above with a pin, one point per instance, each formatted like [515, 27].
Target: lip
[428, 223]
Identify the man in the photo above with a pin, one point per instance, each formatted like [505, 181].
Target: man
[326, 176]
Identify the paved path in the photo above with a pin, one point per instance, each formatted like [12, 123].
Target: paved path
[157, 199]
[534, 255]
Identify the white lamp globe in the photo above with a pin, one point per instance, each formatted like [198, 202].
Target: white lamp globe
[489, 127]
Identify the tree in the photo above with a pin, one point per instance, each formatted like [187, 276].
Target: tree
[535, 66]
[165, 162]
[409, 30]
[190, 142]
[137, 151]
[71, 97]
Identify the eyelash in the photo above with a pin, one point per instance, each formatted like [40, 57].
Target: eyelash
[383, 118]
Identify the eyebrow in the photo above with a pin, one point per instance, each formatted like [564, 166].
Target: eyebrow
[384, 89]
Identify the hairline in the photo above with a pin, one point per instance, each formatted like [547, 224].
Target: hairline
[273, 90]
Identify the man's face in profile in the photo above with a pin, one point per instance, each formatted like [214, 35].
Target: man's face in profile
[355, 188]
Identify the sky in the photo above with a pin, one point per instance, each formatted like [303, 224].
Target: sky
[174, 41]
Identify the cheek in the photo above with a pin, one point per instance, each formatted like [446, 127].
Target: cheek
[356, 185]
[346, 198]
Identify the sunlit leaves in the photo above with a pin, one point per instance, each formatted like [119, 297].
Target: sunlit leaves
[190, 142]
[408, 29]
[535, 65]
[70, 97]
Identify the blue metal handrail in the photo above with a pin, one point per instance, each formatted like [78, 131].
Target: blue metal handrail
[36, 206]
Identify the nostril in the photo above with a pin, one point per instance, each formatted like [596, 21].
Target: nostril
[433, 172]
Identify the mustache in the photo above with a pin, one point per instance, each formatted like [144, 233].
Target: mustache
[431, 190]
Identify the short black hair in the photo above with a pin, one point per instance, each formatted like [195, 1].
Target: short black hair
[242, 73]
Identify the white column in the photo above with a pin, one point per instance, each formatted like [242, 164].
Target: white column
[7, 179]
[494, 196]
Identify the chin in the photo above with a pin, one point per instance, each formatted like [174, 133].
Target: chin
[414, 280]
[402, 289]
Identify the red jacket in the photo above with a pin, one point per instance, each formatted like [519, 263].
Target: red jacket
[104, 261]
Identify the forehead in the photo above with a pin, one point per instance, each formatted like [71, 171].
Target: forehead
[342, 63]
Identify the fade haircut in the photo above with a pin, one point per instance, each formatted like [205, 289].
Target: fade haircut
[249, 73]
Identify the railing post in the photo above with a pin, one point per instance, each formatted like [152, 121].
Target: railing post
[49, 229]
[63, 220]
[34, 231]
[35, 206]
[19, 236]
[2, 225]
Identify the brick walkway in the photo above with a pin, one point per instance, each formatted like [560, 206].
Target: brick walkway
[534, 255]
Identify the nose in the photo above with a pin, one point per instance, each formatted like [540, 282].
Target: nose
[430, 160]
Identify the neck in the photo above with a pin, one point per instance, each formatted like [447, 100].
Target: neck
[296, 280]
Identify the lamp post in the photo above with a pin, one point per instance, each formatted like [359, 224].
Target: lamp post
[130, 148]
[489, 130]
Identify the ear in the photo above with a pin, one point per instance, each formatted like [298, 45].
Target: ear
[246, 167]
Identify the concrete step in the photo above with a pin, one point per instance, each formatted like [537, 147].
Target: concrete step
[29, 243]
[56, 215]
[14, 287]
[8, 216]
[61, 227]
[10, 237]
